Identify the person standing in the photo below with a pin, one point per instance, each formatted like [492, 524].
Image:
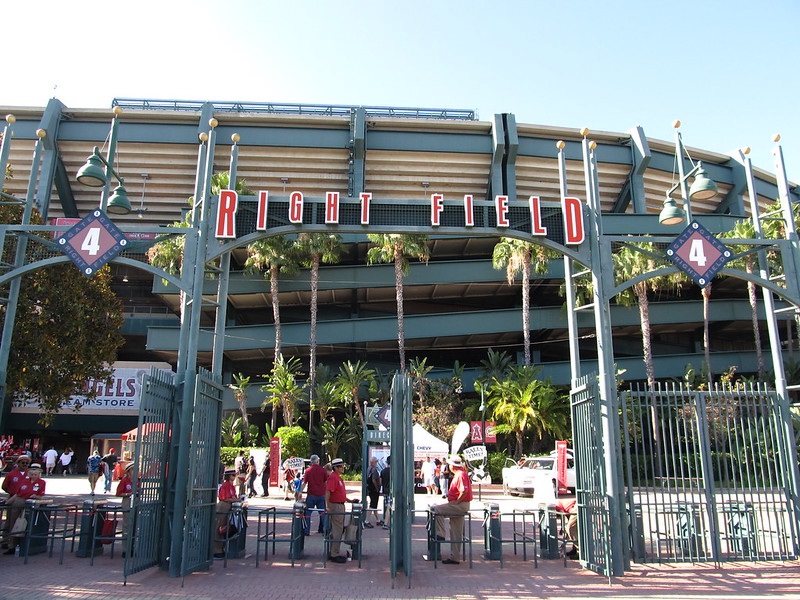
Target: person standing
[444, 478]
[50, 457]
[226, 496]
[335, 497]
[457, 506]
[94, 466]
[252, 473]
[427, 472]
[125, 491]
[66, 462]
[265, 476]
[373, 491]
[387, 494]
[110, 461]
[314, 478]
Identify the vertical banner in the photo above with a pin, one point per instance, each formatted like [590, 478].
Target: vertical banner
[274, 460]
[561, 466]
[482, 435]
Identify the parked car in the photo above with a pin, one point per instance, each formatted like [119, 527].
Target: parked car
[530, 473]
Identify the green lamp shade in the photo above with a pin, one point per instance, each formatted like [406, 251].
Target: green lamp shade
[92, 173]
[119, 204]
[703, 188]
[671, 214]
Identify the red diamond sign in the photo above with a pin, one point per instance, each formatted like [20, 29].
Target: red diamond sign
[92, 242]
[698, 253]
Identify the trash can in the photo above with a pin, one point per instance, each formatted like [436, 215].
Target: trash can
[237, 543]
[492, 532]
[356, 527]
[298, 543]
[38, 526]
[637, 534]
[88, 521]
[434, 548]
[548, 531]
[741, 530]
[689, 532]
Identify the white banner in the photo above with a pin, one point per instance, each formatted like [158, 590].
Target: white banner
[121, 397]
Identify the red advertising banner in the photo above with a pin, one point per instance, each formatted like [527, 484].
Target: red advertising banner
[561, 466]
[477, 434]
[274, 461]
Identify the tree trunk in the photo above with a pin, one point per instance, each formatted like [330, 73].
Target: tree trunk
[276, 310]
[398, 283]
[526, 307]
[753, 298]
[312, 338]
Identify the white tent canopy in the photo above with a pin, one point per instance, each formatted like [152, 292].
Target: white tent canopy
[426, 444]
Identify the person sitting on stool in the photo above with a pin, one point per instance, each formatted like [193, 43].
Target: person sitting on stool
[569, 506]
[459, 495]
[227, 496]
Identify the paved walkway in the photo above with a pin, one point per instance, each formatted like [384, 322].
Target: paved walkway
[43, 578]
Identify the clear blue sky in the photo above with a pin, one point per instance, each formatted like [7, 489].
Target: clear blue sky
[727, 69]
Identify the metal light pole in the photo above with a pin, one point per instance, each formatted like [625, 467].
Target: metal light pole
[483, 439]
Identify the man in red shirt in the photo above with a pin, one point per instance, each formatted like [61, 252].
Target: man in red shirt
[459, 495]
[335, 497]
[570, 507]
[31, 486]
[314, 479]
[227, 496]
[11, 483]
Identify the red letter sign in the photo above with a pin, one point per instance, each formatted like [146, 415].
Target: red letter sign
[226, 213]
[437, 206]
[331, 208]
[501, 207]
[574, 230]
[296, 207]
[261, 218]
[469, 217]
[536, 216]
[365, 198]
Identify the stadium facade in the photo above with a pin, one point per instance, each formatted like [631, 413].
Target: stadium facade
[457, 306]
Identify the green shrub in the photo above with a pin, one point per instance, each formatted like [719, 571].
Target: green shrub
[495, 463]
[294, 441]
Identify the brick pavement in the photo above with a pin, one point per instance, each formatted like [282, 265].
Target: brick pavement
[43, 578]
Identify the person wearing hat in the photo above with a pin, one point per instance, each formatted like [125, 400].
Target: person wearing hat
[314, 478]
[459, 495]
[31, 487]
[335, 497]
[125, 491]
[226, 496]
[11, 483]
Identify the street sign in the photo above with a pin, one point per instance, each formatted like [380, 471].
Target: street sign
[384, 415]
[92, 242]
[698, 253]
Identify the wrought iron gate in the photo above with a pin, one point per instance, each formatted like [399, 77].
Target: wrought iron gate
[146, 523]
[709, 475]
[198, 525]
[594, 523]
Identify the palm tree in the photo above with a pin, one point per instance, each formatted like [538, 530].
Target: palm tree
[350, 379]
[239, 387]
[517, 256]
[495, 366]
[275, 255]
[522, 402]
[393, 248]
[283, 389]
[745, 229]
[630, 262]
[315, 249]
[419, 370]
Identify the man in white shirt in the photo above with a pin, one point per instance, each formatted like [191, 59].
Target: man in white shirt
[50, 457]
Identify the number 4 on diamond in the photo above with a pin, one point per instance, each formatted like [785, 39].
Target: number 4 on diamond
[91, 243]
[697, 253]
